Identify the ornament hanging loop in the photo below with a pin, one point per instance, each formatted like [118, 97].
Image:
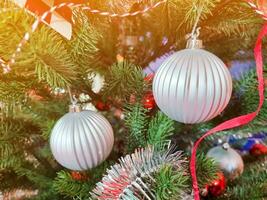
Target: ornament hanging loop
[192, 39]
[74, 107]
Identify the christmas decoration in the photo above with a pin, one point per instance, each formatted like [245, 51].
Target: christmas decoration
[192, 85]
[237, 121]
[98, 82]
[248, 145]
[243, 143]
[229, 160]
[60, 20]
[149, 101]
[218, 186]
[126, 179]
[48, 59]
[79, 176]
[101, 106]
[258, 150]
[89, 106]
[81, 140]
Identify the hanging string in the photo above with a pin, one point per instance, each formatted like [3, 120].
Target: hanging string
[192, 43]
[194, 30]
[73, 99]
[7, 65]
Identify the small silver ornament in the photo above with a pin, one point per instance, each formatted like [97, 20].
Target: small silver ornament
[81, 140]
[230, 162]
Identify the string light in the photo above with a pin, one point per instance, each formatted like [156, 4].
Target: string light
[7, 65]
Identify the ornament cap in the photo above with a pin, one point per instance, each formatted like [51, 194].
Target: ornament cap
[194, 43]
[225, 146]
[74, 108]
[192, 40]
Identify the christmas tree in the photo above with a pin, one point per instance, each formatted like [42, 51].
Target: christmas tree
[132, 74]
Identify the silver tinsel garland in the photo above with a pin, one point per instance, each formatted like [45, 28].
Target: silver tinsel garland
[129, 179]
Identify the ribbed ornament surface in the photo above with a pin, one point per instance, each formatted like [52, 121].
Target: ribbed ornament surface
[81, 140]
[192, 86]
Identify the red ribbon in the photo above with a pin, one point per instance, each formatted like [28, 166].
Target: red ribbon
[238, 121]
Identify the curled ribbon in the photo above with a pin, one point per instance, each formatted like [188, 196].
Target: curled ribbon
[238, 121]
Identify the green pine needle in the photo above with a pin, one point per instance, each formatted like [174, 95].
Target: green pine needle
[170, 183]
[207, 170]
[136, 122]
[124, 80]
[65, 184]
[160, 129]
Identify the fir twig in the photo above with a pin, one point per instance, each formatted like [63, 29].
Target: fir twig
[160, 129]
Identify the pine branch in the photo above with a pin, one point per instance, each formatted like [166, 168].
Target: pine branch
[45, 55]
[66, 185]
[171, 183]
[136, 122]
[83, 46]
[13, 90]
[9, 181]
[9, 162]
[124, 80]
[160, 129]
[52, 60]
[246, 88]
[13, 133]
[34, 176]
[207, 170]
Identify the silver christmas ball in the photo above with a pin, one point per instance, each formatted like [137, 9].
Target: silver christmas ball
[192, 86]
[81, 140]
[230, 162]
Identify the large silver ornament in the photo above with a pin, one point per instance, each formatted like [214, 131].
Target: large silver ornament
[192, 85]
[230, 162]
[81, 140]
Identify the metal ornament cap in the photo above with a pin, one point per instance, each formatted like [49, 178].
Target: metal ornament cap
[75, 108]
[194, 43]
